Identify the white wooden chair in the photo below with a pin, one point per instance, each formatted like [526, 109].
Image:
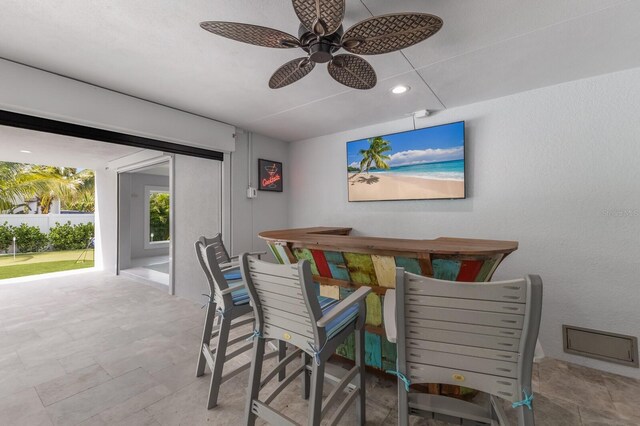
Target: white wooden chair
[287, 309]
[477, 335]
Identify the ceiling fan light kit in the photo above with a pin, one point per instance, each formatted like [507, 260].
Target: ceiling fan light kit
[321, 36]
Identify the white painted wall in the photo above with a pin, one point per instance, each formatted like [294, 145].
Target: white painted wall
[106, 219]
[197, 185]
[124, 216]
[270, 210]
[45, 221]
[32, 91]
[555, 169]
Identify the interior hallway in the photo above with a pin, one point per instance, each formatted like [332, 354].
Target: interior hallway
[98, 349]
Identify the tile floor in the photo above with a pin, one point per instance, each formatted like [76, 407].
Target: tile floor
[153, 270]
[94, 349]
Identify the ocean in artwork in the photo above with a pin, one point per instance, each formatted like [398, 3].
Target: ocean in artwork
[443, 170]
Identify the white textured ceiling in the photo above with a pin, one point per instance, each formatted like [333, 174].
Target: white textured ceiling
[57, 150]
[161, 170]
[155, 50]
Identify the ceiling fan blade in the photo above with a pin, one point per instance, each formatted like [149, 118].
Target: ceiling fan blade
[252, 34]
[322, 17]
[387, 33]
[291, 72]
[352, 71]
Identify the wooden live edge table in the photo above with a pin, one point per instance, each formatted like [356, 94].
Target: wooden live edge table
[340, 263]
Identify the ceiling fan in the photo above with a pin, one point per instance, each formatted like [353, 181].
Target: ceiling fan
[321, 35]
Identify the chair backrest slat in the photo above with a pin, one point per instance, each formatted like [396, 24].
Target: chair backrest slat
[504, 291]
[215, 278]
[462, 362]
[469, 328]
[477, 335]
[462, 338]
[269, 283]
[503, 387]
[291, 305]
[267, 310]
[469, 304]
[275, 270]
[221, 254]
[465, 316]
[285, 298]
[496, 354]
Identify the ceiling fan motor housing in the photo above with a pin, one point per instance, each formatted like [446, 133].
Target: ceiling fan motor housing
[320, 48]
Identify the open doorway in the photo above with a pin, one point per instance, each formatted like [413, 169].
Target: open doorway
[144, 223]
[46, 219]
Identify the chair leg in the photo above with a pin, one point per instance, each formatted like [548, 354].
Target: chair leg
[315, 399]
[254, 379]
[362, 400]
[206, 337]
[403, 405]
[306, 385]
[282, 353]
[525, 417]
[218, 362]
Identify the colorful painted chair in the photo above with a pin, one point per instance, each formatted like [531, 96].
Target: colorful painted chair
[287, 309]
[477, 335]
[227, 309]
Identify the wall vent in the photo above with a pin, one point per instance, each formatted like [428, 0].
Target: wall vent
[601, 345]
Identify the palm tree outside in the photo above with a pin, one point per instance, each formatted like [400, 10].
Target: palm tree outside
[20, 183]
[33, 189]
[374, 155]
[16, 186]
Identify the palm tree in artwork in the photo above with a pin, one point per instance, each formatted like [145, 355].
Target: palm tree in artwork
[375, 154]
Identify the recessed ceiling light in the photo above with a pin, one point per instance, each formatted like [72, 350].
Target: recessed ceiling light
[400, 89]
[24, 151]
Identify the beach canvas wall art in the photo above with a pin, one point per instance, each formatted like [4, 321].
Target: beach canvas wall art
[423, 164]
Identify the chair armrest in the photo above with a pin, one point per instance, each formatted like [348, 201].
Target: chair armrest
[233, 288]
[351, 300]
[224, 267]
[390, 326]
[257, 253]
[251, 253]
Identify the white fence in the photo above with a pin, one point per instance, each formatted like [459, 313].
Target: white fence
[45, 221]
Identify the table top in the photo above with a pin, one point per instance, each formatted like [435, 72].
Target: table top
[339, 238]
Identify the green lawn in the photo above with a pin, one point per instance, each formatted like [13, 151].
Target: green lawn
[43, 263]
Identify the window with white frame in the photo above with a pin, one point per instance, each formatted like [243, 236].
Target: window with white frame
[156, 217]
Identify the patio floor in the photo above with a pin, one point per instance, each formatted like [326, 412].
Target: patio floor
[97, 349]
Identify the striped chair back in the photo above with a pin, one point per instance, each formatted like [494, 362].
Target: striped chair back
[207, 256]
[220, 252]
[285, 302]
[477, 335]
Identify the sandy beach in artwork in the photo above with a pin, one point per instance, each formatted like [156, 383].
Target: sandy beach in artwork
[389, 186]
